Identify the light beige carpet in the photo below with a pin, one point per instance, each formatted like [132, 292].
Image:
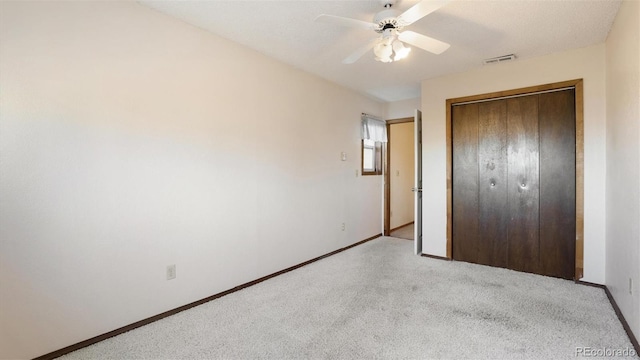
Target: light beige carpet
[378, 301]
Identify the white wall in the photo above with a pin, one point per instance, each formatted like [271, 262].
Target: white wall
[587, 63]
[130, 141]
[402, 109]
[401, 174]
[623, 161]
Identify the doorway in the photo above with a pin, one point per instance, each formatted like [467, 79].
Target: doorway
[514, 162]
[399, 178]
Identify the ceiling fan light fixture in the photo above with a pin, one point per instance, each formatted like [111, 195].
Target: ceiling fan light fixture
[383, 52]
[400, 50]
[390, 49]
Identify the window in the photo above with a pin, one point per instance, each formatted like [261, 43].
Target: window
[374, 134]
[371, 157]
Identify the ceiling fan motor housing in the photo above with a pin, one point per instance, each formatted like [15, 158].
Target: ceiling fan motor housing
[386, 19]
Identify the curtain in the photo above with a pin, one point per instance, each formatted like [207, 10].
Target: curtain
[373, 129]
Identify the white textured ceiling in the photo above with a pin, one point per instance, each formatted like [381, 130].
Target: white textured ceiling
[476, 30]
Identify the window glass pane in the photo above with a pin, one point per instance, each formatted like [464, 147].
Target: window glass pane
[371, 157]
[367, 163]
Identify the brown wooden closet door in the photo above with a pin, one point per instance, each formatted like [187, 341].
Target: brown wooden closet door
[557, 183]
[514, 183]
[492, 161]
[523, 183]
[464, 130]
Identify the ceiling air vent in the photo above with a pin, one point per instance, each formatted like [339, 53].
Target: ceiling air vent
[499, 59]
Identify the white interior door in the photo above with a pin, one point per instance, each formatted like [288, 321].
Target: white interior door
[417, 188]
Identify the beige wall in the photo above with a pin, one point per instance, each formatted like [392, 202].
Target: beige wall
[402, 108]
[587, 63]
[623, 162]
[401, 174]
[131, 141]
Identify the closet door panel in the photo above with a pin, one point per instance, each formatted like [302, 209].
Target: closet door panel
[492, 160]
[464, 131]
[557, 183]
[523, 183]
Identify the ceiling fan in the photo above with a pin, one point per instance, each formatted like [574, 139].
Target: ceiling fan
[389, 22]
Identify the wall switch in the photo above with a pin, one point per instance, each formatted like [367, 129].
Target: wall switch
[357, 173]
[171, 272]
[343, 156]
[343, 226]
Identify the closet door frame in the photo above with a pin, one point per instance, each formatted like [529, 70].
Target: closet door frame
[579, 111]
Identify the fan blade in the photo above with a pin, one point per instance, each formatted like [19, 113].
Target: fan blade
[423, 42]
[339, 20]
[420, 10]
[360, 52]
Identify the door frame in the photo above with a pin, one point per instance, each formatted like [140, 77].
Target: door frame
[387, 177]
[577, 84]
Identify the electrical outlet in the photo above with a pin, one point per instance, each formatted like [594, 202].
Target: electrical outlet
[630, 286]
[343, 226]
[171, 272]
